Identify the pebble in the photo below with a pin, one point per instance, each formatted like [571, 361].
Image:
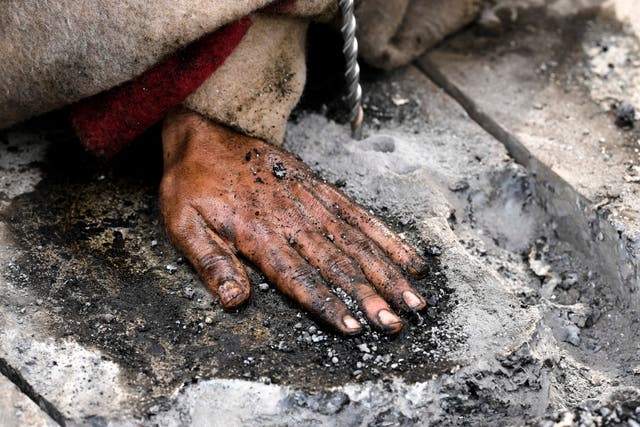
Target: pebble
[208, 320]
[569, 280]
[399, 101]
[154, 243]
[324, 402]
[279, 170]
[432, 299]
[459, 186]
[364, 348]
[334, 360]
[572, 335]
[626, 116]
[171, 268]
[189, 292]
[263, 286]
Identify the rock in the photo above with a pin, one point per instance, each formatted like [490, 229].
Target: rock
[392, 417]
[489, 22]
[188, 292]
[458, 186]
[279, 170]
[571, 334]
[326, 403]
[364, 348]
[625, 116]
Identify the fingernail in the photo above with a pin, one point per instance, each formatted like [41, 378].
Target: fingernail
[387, 318]
[351, 323]
[229, 291]
[412, 300]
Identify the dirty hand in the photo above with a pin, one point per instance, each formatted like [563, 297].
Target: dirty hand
[224, 194]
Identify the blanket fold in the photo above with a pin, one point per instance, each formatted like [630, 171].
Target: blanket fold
[107, 122]
[123, 65]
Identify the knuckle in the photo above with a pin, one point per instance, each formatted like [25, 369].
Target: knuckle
[253, 230]
[214, 264]
[365, 294]
[340, 266]
[363, 244]
[178, 222]
[303, 274]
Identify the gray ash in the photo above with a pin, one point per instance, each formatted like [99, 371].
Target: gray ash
[164, 329]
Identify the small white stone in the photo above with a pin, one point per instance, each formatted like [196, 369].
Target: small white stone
[364, 348]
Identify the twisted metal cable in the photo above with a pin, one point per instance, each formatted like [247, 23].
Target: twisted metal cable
[352, 72]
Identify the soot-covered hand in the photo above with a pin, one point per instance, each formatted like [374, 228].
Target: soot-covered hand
[225, 195]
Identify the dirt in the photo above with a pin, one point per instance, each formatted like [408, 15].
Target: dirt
[95, 254]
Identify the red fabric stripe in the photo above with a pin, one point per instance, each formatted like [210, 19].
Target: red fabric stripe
[107, 122]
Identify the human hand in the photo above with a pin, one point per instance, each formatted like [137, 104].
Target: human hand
[225, 195]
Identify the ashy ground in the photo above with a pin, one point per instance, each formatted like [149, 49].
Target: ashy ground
[510, 155]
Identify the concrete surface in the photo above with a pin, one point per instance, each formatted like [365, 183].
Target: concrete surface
[553, 98]
[17, 409]
[557, 118]
[532, 290]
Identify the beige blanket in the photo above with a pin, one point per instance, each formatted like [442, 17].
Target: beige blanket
[56, 52]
